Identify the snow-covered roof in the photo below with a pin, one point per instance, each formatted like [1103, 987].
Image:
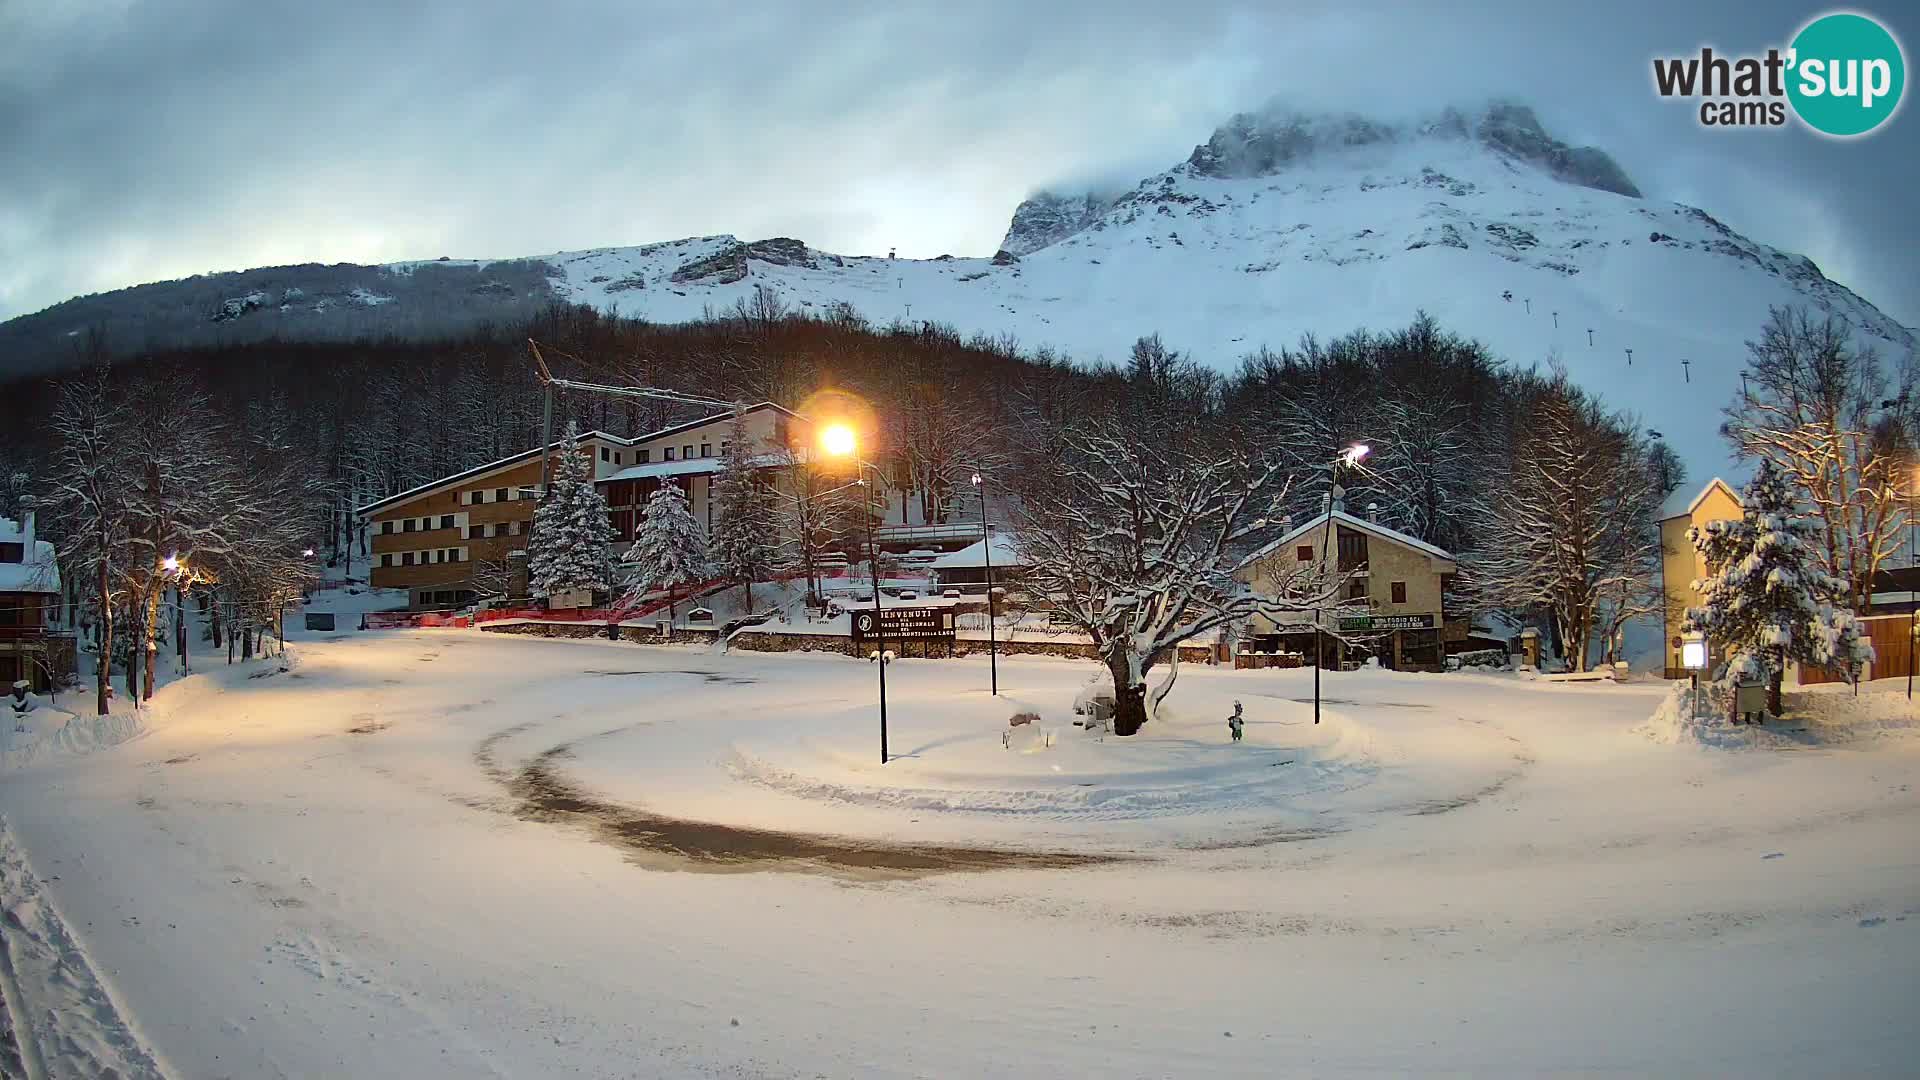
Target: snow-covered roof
[38, 572]
[1005, 553]
[1363, 525]
[1678, 505]
[654, 470]
[715, 418]
[481, 470]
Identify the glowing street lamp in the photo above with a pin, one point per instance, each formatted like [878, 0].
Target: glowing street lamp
[1351, 457]
[172, 564]
[838, 440]
[986, 545]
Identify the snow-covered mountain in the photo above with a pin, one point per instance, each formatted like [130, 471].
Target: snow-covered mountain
[1279, 225]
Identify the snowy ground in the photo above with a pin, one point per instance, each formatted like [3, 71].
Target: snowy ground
[428, 853]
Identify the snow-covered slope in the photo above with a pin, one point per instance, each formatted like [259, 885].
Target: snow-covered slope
[1279, 225]
[1324, 225]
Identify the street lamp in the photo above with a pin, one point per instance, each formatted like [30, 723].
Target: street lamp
[1693, 657]
[986, 545]
[1352, 456]
[1913, 582]
[838, 440]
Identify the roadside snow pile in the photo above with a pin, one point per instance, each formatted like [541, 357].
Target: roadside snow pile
[1694, 717]
[1834, 713]
[1822, 715]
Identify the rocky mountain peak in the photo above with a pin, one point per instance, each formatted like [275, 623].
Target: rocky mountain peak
[1266, 142]
[1048, 217]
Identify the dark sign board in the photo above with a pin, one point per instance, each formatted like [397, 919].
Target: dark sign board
[1386, 622]
[319, 620]
[898, 623]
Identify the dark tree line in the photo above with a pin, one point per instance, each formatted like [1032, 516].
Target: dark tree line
[351, 422]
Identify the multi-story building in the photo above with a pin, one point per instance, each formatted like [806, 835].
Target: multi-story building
[457, 537]
[1395, 605]
[31, 647]
[1681, 565]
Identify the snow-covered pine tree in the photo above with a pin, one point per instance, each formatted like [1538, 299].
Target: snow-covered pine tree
[1765, 599]
[743, 543]
[669, 549]
[571, 528]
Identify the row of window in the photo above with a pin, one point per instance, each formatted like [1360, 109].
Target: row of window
[419, 524]
[497, 528]
[429, 557]
[644, 455]
[480, 496]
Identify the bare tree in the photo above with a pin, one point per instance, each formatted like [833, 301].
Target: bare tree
[1820, 409]
[1573, 527]
[88, 489]
[1137, 539]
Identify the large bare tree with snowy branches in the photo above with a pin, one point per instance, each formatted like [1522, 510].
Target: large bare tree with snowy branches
[1137, 538]
[1822, 410]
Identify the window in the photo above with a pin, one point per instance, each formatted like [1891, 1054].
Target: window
[446, 521]
[479, 497]
[13, 552]
[386, 559]
[605, 454]
[1353, 550]
[406, 558]
[616, 457]
[706, 449]
[408, 525]
[666, 454]
[724, 443]
[1399, 592]
[1357, 589]
[386, 527]
[499, 494]
[686, 452]
[1303, 553]
[513, 528]
[641, 457]
[475, 532]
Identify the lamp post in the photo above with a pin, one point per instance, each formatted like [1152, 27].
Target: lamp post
[986, 545]
[1693, 657]
[1352, 455]
[838, 440]
[1913, 583]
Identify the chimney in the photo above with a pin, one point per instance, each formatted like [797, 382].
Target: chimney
[1373, 512]
[26, 533]
[1339, 504]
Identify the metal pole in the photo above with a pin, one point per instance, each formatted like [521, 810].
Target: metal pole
[879, 629]
[1319, 609]
[986, 544]
[1913, 608]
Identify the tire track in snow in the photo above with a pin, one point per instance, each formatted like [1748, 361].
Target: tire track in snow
[64, 1023]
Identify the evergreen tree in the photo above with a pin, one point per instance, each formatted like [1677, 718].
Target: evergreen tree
[571, 528]
[1765, 599]
[744, 528]
[669, 549]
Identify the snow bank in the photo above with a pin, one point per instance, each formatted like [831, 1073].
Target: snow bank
[1820, 715]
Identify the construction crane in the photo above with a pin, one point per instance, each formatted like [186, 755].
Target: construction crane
[549, 383]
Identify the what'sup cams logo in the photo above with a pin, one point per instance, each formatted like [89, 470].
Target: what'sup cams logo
[1842, 76]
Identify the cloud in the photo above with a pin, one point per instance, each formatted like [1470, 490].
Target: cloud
[147, 141]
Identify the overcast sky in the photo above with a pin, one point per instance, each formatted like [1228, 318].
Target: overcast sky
[141, 141]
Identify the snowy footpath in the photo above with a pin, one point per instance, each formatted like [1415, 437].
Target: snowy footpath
[451, 853]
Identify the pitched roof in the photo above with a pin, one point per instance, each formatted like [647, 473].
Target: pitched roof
[690, 424]
[481, 470]
[1363, 525]
[1673, 508]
